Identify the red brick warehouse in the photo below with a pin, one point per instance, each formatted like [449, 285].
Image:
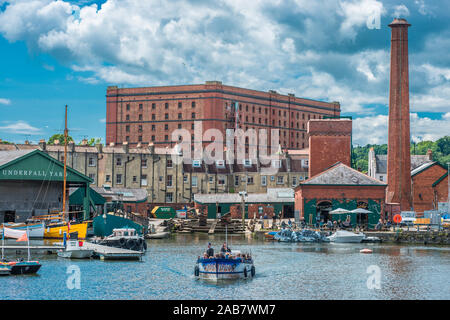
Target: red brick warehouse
[150, 114]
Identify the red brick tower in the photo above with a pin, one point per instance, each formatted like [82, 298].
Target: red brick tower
[329, 142]
[399, 157]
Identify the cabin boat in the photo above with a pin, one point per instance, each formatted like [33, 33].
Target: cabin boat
[75, 250]
[343, 236]
[126, 238]
[233, 265]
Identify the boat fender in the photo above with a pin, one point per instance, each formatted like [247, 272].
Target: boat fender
[196, 271]
[253, 271]
[145, 245]
[245, 272]
[122, 242]
[131, 244]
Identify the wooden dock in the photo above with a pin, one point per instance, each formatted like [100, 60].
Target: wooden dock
[49, 249]
[112, 253]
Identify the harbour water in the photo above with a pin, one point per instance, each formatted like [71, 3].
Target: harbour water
[283, 271]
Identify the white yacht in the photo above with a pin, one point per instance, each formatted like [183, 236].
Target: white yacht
[343, 236]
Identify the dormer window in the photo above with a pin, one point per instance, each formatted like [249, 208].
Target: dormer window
[247, 163]
[276, 163]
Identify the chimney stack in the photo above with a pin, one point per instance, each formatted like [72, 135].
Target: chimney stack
[399, 157]
[43, 144]
[430, 155]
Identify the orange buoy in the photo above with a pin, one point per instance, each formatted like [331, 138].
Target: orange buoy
[365, 251]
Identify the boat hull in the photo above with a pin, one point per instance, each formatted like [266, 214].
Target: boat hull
[76, 254]
[5, 271]
[104, 225]
[158, 235]
[35, 231]
[346, 237]
[224, 269]
[57, 232]
[26, 267]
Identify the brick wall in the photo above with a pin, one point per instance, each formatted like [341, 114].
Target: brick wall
[213, 106]
[424, 197]
[329, 142]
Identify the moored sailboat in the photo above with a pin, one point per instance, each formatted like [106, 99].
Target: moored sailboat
[19, 266]
[57, 225]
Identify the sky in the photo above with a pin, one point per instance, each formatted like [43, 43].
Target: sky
[54, 53]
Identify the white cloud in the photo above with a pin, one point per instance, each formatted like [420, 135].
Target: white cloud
[103, 120]
[357, 14]
[241, 43]
[20, 127]
[400, 11]
[374, 130]
[5, 101]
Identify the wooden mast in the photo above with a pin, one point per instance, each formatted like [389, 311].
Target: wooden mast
[65, 165]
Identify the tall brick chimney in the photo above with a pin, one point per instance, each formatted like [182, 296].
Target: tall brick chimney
[399, 157]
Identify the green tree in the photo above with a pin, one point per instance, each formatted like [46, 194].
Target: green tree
[93, 141]
[60, 137]
[443, 144]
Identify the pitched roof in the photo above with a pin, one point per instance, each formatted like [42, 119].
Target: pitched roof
[416, 161]
[425, 166]
[341, 174]
[8, 156]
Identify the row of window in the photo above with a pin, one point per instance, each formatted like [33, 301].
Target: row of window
[166, 105]
[221, 180]
[294, 114]
[166, 116]
[153, 127]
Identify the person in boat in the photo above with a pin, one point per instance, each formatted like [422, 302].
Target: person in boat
[225, 248]
[210, 250]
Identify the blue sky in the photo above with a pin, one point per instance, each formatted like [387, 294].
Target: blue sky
[54, 53]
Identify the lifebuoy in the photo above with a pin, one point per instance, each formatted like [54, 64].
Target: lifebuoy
[253, 271]
[245, 272]
[196, 271]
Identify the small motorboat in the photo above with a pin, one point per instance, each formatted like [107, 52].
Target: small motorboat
[365, 250]
[156, 232]
[233, 265]
[74, 250]
[157, 235]
[126, 238]
[21, 267]
[343, 236]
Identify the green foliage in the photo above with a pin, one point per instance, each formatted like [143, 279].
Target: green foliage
[440, 149]
[5, 142]
[60, 137]
[93, 141]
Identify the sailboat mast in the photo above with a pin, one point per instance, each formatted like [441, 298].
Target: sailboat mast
[65, 164]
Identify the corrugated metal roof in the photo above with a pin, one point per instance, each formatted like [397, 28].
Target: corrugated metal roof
[8, 156]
